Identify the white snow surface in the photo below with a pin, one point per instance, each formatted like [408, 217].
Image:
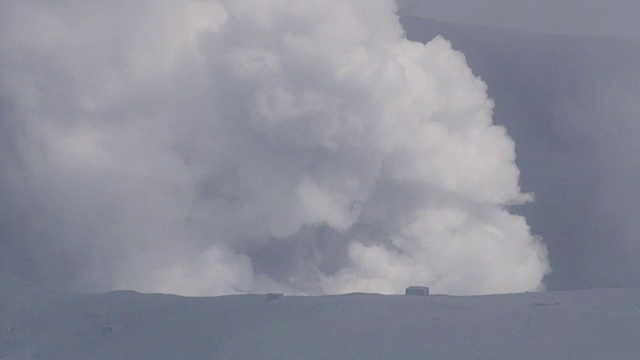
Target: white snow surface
[589, 324]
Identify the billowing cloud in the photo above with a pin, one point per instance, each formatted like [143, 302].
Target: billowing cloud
[205, 147]
[567, 101]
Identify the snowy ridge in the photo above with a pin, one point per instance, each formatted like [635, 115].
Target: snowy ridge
[586, 324]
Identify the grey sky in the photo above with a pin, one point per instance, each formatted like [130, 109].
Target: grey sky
[570, 103]
[313, 149]
[617, 18]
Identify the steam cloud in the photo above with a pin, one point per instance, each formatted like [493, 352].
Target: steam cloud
[201, 147]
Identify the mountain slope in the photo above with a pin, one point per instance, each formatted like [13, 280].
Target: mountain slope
[129, 325]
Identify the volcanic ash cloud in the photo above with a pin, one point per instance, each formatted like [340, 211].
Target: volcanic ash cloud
[207, 148]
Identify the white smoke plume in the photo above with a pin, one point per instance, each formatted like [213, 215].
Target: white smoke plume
[203, 148]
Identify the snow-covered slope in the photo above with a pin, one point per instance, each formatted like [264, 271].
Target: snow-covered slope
[594, 324]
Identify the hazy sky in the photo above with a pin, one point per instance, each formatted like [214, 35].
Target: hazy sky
[202, 147]
[570, 104]
[588, 17]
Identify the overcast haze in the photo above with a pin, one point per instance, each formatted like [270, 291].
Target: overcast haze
[588, 17]
[201, 148]
[570, 104]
